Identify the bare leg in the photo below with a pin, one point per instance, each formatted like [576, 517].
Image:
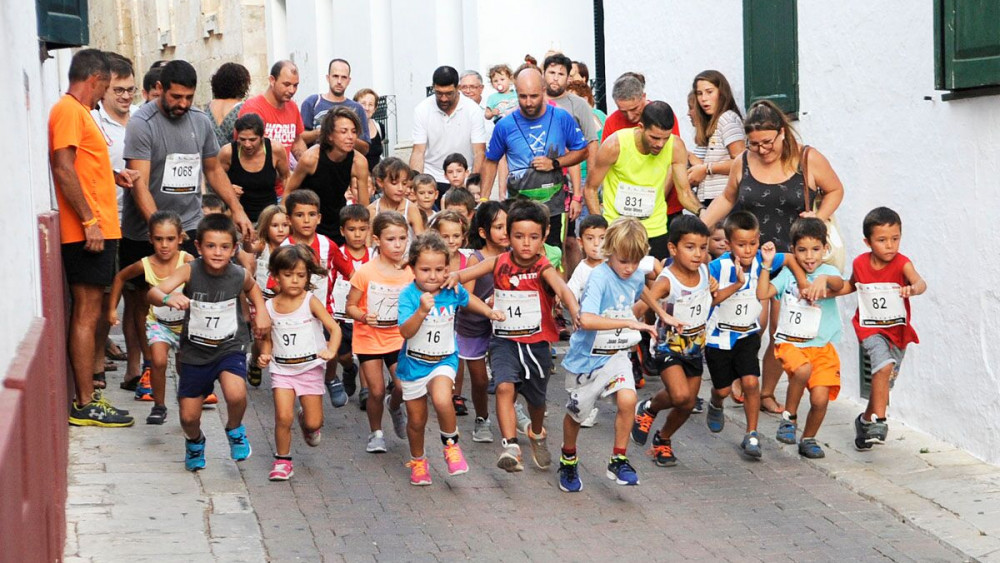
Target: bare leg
[460, 376]
[683, 392]
[159, 352]
[480, 382]
[751, 396]
[626, 400]
[101, 335]
[771, 370]
[190, 416]
[134, 330]
[878, 398]
[312, 412]
[234, 389]
[371, 373]
[439, 390]
[85, 311]
[284, 411]
[416, 422]
[796, 387]
[819, 398]
[506, 419]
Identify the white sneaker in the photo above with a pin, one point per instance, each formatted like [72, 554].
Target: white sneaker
[523, 420]
[591, 419]
[398, 417]
[482, 432]
[376, 443]
[312, 438]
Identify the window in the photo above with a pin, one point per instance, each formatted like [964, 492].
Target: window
[771, 53]
[62, 23]
[967, 44]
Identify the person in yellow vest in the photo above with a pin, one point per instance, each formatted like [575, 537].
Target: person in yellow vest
[636, 167]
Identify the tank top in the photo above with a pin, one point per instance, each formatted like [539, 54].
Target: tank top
[330, 181]
[405, 213]
[213, 325]
[263, 273]
[691, 306]
[296, 339]
[469, 324]
[899, 335]
[776, 206]
[634, 185]
[509, 277]
[162, 314]
[375, 150]
[258, 187]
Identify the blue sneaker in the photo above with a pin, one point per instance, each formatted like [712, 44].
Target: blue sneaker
[338, 396]
[786, 430]
[810, 449]
[716, 419]
[239, 445]
[194, 458]
[751, 445]
[569, 476]
[622, 472]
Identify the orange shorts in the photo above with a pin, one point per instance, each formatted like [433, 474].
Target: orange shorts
[825, 364]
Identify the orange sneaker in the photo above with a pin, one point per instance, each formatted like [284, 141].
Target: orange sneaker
[143, 389]
[211, 399]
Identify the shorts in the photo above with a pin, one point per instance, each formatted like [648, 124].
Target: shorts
[90, 268]
[726, 366]
[825, 364]
[157, 332]
[413, 390]
[389, 358]
[131, 251]
[658, 247]
[472, 347]
[346, 336]
[199, 380]
[692, 366]
[586, 388]
[882, 352]
[309, 382]
[527, 366]
[555, 237]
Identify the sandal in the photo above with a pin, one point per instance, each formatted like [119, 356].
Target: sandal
[110, 366]
[778, 410]
[130, 383]
[100, 382]
[113, 352]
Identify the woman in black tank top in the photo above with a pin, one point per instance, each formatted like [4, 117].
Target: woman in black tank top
[330, 181]
[268, 165]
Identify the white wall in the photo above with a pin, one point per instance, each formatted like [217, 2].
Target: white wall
[862, 82]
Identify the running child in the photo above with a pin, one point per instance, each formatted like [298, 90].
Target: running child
[392, 176]
[807, 329]
[456, 169]
[355, 223]
[718, 244]
[429, 358]
[214, 338]
[373, 303]
[453, 228]
[426, 192]
[295, 351]
[163, 324]
[272, 230]
[885, 280]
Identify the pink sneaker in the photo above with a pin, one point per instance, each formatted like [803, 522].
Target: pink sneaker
[312, 438]
[456, 461]
[281, 470]
[419, 472]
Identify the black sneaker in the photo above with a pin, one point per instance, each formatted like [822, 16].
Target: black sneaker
[158, 415]
[98, 413]
[861, 434]
[663, 452]
[877, 431]
[254, 373]
[460, 408]
[350, 379]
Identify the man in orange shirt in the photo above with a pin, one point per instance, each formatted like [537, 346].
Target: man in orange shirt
[88, 222]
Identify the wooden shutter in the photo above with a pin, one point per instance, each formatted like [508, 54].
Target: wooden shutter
[967, 46]
[771, 53]
[62, 23]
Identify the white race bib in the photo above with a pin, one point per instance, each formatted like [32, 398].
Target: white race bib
[739, 313]
[383, 300]
[635, 201]
[341, 289]
[261, 276]
[435, 340]
[880, 306]
[692, 310]
[610, 342]
[181, 174]
[321, 285]
[211, 324]
[799, 321]
[171, 318]
[294, 342]
[523, 310]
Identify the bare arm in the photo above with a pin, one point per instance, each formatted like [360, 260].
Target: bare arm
[412, 325]
[280, 162]
[298, 147]
[678, 169]
[161, 294]
[262, 323]
[470, 273]
[478, 156]
[333, 343]
[306, 166]
[359, 171]
[417, 157]
[916, 286]
[827, 181]
[127, 273]
[64, 171]
[140, 188]
[219, 181]
[558, 285]
[606, 157]
[488, 174]
[477, 306]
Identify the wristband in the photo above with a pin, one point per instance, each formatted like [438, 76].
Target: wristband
[709, 168]
[166, 298]
[90, 223]
[578, 198]
[483, 199]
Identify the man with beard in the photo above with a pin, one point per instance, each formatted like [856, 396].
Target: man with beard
[282, 121]
[316, 106]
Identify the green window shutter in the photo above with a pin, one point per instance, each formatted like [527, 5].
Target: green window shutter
[62, 23]
[864, 372]
[771, 53]
[967, 46]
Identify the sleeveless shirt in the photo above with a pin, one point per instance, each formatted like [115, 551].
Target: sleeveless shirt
[776, 206]
[330, 181]
[258, 187]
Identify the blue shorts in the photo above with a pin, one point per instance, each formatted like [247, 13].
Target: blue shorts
[473, 347]
[199, 380]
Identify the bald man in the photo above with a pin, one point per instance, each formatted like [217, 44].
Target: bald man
[539, 141]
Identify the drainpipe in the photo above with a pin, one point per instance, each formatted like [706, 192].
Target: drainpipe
[599, 71]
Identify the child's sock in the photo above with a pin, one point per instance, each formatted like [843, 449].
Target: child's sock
[569, 454]
[618, 452]
[199, 440]
[509, 441]
[449, 439]
[284, 457]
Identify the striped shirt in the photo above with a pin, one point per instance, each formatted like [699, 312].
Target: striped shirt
[723, 269]
[728, 130]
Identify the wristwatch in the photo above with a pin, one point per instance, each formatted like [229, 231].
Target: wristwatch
[555, 164]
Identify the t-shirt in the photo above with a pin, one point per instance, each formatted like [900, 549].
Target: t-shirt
[504, 103]
[728, 130]
[116, 133]
[829, 326]
[315, 107]
[616, 122]
[579, 278]
[554, 255]
[384, 292]
[518, 280]
[581, 112]
[175, 149]
[723, 269]
[282, 125]
[552, 134]
[446, 304]
[446, 134]
[72, 125]
[899, 335]
[605, 294]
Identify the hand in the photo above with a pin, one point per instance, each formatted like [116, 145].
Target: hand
[815, 291]
[575, 317]
[244, 225]
[238, 190]
[488, 114]
[713, 285]
[261, 324]
[181, 302]
[370, 319]
[126, 178]
[696, 174]
[740, 276]
[767, 253]
[94, 239]
[542, 163]
[574, 209]
[263, 360]
[489, 301]
[426, 302]
[498, 315]
[113, 317]
[450, 282]
[643, 327]
[672, 321]
[327, 354]
[807, 214]
[906, 291]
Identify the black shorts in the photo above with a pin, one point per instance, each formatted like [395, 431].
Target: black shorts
[726, 366]
[388, 358]
[90, 268]
[658, 247]
[527, 366]
[346, 335]
[555, 231]
[692, 366]
[131, 251]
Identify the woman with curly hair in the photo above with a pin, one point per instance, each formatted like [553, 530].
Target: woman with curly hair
[230, 85]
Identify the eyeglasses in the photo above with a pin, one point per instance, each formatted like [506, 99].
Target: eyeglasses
[470, 87]
[445, 95]
[119, 92]
[763, 145]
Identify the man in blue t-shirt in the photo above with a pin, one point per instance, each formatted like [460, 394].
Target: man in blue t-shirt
[539, 141]
[315, 107]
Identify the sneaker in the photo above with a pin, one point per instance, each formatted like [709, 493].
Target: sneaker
[143, 389]
[552, 349]
[158, 415]
[255, 374]
[716, 419]
[419, 472]
[540, 450]
[211, 399]
[663, 452]
[786, 430]
[98, 413]
[510, 458]
[459, 402]
[482, 432]
[239, 445]
[861, 429]
[281, 470]
[877, 431]
[751, 445]
[101, 399]
[643, 422]
[455, 459]
[194, 455]
[363, 399]
[312, 438]
[338, 396]
[591, 419]
[376, 443]
[398, 416]
[809, 448]
[569, 475]
[621, 471]
[350, 379]
[699, 406]
[523, 420]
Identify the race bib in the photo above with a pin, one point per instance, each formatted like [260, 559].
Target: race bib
[181, 174]
[341, 289]
[435, 340]
[635, 201]
[383, 300]
[261, 276]
[212, 324]
[321, 285]
[523, 310]
[170, 318]
[739, 313]
[692, 310]
[799, 321]
[610, 342]
[880, 306]
[294, 342]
